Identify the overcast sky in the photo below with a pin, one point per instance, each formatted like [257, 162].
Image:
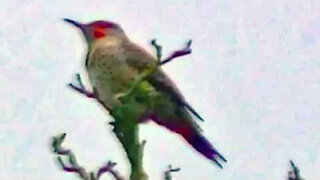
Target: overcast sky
[254, 75]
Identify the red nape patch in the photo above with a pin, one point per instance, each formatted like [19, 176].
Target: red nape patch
[103, 24]
[98, 33]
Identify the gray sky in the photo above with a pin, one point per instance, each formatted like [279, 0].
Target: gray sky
[254, 75]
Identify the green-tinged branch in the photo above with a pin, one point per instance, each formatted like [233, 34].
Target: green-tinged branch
[127, 131]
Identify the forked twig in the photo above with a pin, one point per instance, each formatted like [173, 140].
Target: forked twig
[167, 173]
[185, 51]
[109, 168]
[74, 167]
[182, 52]
[81, 89]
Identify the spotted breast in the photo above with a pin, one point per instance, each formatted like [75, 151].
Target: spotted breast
[109, 72]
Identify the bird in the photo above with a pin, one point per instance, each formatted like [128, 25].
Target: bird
[114, 63]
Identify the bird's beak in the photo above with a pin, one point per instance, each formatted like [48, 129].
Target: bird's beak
[74, 23]
[81, 26]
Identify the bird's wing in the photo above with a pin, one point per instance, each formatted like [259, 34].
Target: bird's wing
[140, 59]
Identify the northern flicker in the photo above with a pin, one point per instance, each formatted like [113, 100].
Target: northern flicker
[114, 63]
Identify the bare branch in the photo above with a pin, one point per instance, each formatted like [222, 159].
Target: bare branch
[158, 49]
[56, 145]
[109, 168]
[185, 51]
[295, 173]
[74, 167]
[167, 173]
[82, 88]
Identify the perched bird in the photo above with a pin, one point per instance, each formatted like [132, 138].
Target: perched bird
[114, 62]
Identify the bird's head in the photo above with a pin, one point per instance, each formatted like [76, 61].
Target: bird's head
[98, 29]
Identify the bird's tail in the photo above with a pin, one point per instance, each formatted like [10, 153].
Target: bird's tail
[203, 146]
[191, 132]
